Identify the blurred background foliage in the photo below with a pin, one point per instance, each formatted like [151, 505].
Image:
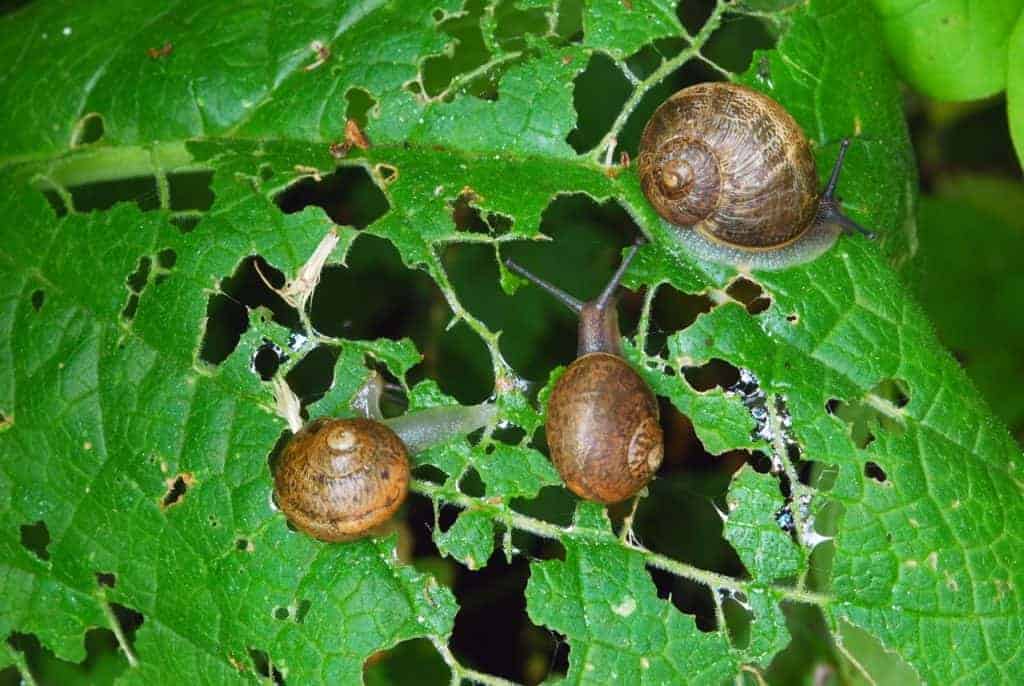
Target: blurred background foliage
[970, 233]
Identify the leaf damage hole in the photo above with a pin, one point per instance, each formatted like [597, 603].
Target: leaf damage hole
[387, 173]
[738, 617]
[176, 490]
[302, 610]
[106, 579]
[467, 51]
[672, 311]
[392, 666]
[227, 312]
[244, 545]
[87, 130]
[264, 666]
[38, 298]
[749, 294]
[687, 596]
[36, 538]
[136, 282]
[267, 359]
[873, 471]
[282, 614]
[468, 216]
[360, 102]
[100, 664]
[599, 93]
[878, 411]
[715, 373]
[893, 390]
[189, 193]
[348, 196]
[313, 375]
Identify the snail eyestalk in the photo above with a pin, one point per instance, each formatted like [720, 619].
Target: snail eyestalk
[560, 295]
[828, 207]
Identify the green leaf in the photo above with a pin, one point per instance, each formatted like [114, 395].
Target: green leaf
[754, 524]
[972, 234]
[140, 457]
[951, 49]
[1015, 87]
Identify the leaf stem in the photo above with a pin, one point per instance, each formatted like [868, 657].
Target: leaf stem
[667, 67]
[509, 517]
[462, 673]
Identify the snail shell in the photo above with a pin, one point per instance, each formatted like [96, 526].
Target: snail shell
[731, 163]
[338, 479]
[602, 428]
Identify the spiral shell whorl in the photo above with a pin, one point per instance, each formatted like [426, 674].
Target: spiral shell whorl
[682, 179]
[337, 479]
[764, 175]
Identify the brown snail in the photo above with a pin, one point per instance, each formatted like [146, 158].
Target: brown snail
[732, 164]
[602, 420]
[340, 479]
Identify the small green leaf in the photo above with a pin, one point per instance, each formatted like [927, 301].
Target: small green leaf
[470, 540]
[754, 525]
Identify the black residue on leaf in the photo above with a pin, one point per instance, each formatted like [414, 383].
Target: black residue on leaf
[348, 196]
[176, 490]
[227, 312]
[36, 537]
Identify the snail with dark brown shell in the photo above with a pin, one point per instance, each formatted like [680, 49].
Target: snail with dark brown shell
[602, 419]
[732, 164]
[340, 479]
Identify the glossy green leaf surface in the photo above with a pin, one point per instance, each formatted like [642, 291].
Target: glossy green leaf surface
[951, 49]
[147, 462]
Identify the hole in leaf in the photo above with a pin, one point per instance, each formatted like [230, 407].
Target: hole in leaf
[302, 611]
[244, 545]
[715, 373]
[539, 333]
[865, 417]
[38, 297]
[36, 537]
[227, 314]
[56, 202]
[130, 620]
[167, 258]
[470, 51]
[103, 663]
[137, 280]
[185, 223]
[359, 104]
[749, 294]
[893, 390]
[599, 92]
[348, 196]
[108, 579]
[569, 25]
[410, 662]
[732, 45]
[693, 15]
[387, 172]
[264, 666]
[515, 24]
[282, 613]
[102, 195]
[737, 620]
[793, 318]
[267, 359]
[873, 471]
[673, 311]
[89, 129]
[192, 190]
[176, 490]
[313, 375]
[687, 596]
[466, 216]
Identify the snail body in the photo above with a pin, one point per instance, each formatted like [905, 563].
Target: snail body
[733, 165]
[341, 479]
[602, 420]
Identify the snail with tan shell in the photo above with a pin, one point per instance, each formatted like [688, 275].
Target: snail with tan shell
[734, 166]
[340, 479]
[602, 419]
